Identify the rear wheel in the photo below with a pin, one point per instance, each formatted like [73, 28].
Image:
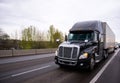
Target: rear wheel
[113, 50]
[105, 54]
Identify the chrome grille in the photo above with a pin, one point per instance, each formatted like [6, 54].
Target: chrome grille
[68, 52]
[74, 53]
[60, 51]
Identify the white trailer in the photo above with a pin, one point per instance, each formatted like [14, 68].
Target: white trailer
[109, 37]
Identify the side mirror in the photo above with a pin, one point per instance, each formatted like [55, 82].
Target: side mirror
[65, 37]
[57, 40]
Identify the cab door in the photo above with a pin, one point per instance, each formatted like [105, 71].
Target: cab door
[99, 52]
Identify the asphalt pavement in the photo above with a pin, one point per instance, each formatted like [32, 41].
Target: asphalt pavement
[37, 69]
[112, 72]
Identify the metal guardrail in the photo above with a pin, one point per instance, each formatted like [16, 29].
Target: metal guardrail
[6, 53]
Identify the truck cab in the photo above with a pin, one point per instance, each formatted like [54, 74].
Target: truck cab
[84, 46]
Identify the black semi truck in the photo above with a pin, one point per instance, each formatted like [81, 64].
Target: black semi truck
[87, 43]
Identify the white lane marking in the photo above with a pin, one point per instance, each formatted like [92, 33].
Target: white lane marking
[102, 70]
[30, 71]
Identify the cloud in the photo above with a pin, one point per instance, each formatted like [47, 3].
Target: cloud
[61, 13]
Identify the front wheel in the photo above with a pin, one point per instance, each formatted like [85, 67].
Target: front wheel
[92, 64]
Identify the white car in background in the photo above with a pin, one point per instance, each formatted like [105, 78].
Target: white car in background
[117, 45]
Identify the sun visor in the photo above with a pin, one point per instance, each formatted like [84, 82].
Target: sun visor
[87, 26]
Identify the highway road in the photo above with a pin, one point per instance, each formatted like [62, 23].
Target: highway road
[42, 69]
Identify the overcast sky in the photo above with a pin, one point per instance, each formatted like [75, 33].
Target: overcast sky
[17, 14]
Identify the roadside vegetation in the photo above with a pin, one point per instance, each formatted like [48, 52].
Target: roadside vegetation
[32, 38]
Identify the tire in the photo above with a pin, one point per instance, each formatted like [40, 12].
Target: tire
[105, 54]
[114, 50]
[91, 64]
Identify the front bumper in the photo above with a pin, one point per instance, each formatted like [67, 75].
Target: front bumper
[75, 63]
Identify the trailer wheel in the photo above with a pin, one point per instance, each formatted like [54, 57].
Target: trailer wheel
[91, 64]
[113, 50]
[105, 54]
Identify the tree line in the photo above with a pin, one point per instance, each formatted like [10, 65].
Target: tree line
[32, 38]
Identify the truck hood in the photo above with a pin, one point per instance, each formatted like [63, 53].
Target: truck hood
[72, 44]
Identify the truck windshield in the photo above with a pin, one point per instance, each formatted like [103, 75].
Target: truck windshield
[80, 36]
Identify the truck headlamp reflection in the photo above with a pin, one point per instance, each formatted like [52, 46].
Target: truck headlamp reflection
[83, 56]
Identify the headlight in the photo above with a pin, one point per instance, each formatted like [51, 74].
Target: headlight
[83, 56]
[56, 53]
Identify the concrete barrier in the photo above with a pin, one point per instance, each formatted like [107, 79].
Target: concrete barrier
[7, 53]
[4, 53]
